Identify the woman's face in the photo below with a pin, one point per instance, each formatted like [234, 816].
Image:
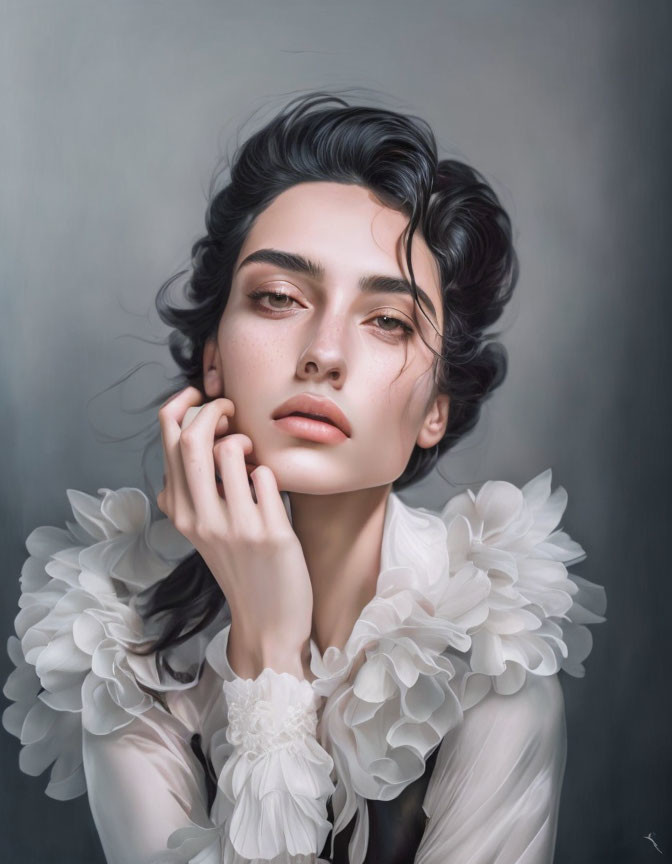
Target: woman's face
[327, 336]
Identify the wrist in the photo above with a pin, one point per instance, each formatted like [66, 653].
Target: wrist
[248, 660]
[280, 659]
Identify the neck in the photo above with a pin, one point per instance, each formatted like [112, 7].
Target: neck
[341, 536]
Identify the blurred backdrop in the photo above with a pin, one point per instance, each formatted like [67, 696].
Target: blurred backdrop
[114, 115]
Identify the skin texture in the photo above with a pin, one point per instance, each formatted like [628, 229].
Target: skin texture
[328, 340]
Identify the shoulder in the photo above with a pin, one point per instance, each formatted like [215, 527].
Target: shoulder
[77, 629]
[533, 715]
[507, 760]
[505, 741]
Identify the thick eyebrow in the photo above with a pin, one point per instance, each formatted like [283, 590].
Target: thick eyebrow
[299, 264]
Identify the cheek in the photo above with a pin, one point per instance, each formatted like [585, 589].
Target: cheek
[245, 357]
[419, 402]
[388, 435]
[394, 416]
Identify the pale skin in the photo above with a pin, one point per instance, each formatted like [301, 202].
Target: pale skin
[289, 582]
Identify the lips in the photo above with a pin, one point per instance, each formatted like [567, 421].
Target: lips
[317, 407]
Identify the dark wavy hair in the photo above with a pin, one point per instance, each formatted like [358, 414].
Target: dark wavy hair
[321, 137]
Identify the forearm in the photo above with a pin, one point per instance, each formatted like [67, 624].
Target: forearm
[144, 784]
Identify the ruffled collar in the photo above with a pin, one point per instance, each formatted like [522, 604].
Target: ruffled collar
[477, 596]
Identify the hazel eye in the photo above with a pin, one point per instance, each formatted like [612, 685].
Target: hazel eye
[398, 327]
[279, 301]
[388, 319]
[257, 296]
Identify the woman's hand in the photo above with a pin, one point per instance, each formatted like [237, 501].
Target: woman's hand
[250, 547]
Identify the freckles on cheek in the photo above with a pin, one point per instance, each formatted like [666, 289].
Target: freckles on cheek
[246, 354]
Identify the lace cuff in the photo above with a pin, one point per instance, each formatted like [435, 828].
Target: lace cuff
[274, 786]
[274, 711]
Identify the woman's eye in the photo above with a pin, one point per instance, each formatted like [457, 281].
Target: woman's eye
[394, 325]
[278, 301]
[278, 298]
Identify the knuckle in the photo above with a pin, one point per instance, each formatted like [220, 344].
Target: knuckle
[164, 503]
[189, 444]
[264, 474]
[183, 524]
[249, 535]
[206, 531]
[230, 444]
[164, 413]
[227, 448]
[223, 402]
[187, 438]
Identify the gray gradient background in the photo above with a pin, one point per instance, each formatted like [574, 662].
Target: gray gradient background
[113, 116]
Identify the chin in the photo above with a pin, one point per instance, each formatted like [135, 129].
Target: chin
[306, 475]
[314, 480]
[312, 483]
[321, 471]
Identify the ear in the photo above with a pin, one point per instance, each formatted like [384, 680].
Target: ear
[434, 425]
[212, 371]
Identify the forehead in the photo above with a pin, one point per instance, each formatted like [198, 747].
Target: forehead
[348, 230]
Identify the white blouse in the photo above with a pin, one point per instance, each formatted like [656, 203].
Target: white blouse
[474, 615]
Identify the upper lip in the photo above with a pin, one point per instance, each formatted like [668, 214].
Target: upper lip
[307, 403]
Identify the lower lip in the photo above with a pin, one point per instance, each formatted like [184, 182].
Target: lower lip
[311, 430]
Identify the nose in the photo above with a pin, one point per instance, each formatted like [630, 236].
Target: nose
[323, 357]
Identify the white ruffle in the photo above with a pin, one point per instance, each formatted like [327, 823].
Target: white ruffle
[277, 767]
[76, 628]
[537, 610]
[474, 597]
[390, 700]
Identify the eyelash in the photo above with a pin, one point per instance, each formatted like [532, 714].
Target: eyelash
[256, 296]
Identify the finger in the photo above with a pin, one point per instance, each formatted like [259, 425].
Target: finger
[222, 426]
[174, 396]
[196, 446]
[171, 414]
[230, 460]
[190, 414]
[269, 500]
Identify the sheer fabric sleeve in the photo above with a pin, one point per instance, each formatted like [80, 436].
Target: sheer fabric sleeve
[495, 790]
[144, 782]
[148, 793]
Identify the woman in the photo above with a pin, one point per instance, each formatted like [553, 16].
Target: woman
[294, 663]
